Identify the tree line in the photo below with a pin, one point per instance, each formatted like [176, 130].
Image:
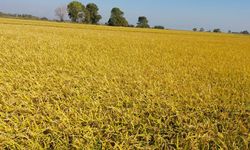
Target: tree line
[217, 30]
[22, 16]
[79, 13]
[89, 14]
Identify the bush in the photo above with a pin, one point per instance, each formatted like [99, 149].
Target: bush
[159, 27]
[244, 32]
[217, 30]
[202, 29]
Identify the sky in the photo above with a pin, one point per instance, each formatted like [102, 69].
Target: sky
[174, 14]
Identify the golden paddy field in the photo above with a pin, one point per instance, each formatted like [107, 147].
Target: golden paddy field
[72, 86]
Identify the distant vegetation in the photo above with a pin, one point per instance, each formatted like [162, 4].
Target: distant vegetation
[159, 27]
[244, 32]
[79, 13]
[143, 22]
[61, 13]
[22, 16]
[194, 29]
[117, 18]
[202, 29]
[218, 30]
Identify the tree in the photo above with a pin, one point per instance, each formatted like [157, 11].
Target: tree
[194, 29]
[244, 32]
[116, 18]
[202, 29]
[94, 16]
[44, 18]
[61, 12]
[229, 31]
[76, 11]
[142, 22]
[159, 27]
[217, 30]
[85, 16]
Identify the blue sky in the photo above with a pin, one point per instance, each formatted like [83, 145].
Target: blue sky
[177, 14]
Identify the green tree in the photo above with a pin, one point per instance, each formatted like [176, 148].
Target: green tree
[76, 11]
[117, 18]
[195, 29]
[94, 16]
[86, 16]
[142, 22]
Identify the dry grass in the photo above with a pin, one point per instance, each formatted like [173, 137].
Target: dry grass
[68, 86]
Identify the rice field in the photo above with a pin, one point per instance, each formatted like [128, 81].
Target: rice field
[72, 86]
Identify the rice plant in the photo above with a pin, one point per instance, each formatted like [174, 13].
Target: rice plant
[69, 86]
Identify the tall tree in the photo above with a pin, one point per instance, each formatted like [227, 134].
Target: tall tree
[76, 11]
[142, 22]
[61, 12]
[94, 16]
[117, 18]
[86, 16]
